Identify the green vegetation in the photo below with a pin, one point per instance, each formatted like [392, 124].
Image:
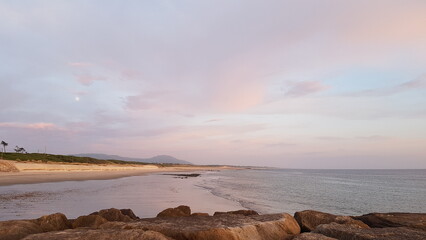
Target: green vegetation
[41, 157]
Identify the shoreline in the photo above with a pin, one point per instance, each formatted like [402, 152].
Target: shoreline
[32, 172]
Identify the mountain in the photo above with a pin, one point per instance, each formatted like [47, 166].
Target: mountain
[156, 159]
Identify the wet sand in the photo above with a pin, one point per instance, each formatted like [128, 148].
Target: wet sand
[146, 195]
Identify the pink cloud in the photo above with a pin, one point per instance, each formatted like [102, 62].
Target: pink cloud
[34, 126]
[299, 89]
[131, 74]
[418, 83]
[88, 79]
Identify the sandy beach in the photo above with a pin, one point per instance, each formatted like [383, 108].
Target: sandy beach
[40, 188]
[32, 172]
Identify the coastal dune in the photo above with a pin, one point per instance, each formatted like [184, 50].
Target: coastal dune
[8, 166]
[78, 167]
[14, 172]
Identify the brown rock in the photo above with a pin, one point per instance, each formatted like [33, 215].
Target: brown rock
[200, 214]
[309, 220]
[381, 220]
[354, 232]
[312, 236]
[53, 222]
[221, 227]
[16, 229]
[241, 212]
[113, 214]
[92, 221]
[181, 211]
[99, 234]
[129, 213]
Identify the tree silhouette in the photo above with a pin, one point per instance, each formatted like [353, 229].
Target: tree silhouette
[4, 145]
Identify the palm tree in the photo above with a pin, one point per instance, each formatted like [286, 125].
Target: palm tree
[4, 145]
[4, 148]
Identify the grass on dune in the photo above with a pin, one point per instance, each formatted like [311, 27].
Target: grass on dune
[41, 157]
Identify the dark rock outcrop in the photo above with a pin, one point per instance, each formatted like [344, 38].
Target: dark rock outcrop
[309, 220]
[312, 236]
[221, 227]
[17, 229]
[354, 232]
[381, 220]
[91, 221]
[240, 212]
[199, 214]
[174, 224]
[53, 222]
[181, 211]
[113, 214]
[129, 213]
[97, 234]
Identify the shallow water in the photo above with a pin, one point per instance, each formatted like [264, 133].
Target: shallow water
[349, 192]
[145, 195]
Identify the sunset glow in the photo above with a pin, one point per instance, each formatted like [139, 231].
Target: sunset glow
[294, 84]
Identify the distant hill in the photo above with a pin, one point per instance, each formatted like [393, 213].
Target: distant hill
[156, 159]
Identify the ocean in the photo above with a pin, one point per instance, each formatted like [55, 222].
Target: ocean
[346, 192]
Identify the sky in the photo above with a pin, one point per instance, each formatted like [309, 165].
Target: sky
[288, 83]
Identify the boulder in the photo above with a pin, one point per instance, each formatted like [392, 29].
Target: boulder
[312, 236]
[17, 229]
[113, 214]
[129, 213]
[53, 222]
[241, 212]
[92, 221]
[99, 234]
[309, 220]
[381, 220]
[221, 227]
[355, 232]
[181, 211]
[199, 214]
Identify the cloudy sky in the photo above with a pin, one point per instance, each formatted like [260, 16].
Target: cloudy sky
[296, 83]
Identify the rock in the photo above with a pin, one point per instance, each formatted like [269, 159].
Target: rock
[129, 213]
[113, 214]
[181, 211]
[99, 234]
[92, 221]
[380, 220]
[355, 232]
[53, 222]
[312, 236]
[241, 212]
[309, 220]
[17, 229]
[221, 227]
[200, 214]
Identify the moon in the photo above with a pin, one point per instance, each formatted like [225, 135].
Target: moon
[77, 98]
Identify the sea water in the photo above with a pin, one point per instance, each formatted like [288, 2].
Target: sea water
[346, 192]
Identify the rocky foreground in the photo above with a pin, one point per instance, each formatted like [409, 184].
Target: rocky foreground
[180, 224]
